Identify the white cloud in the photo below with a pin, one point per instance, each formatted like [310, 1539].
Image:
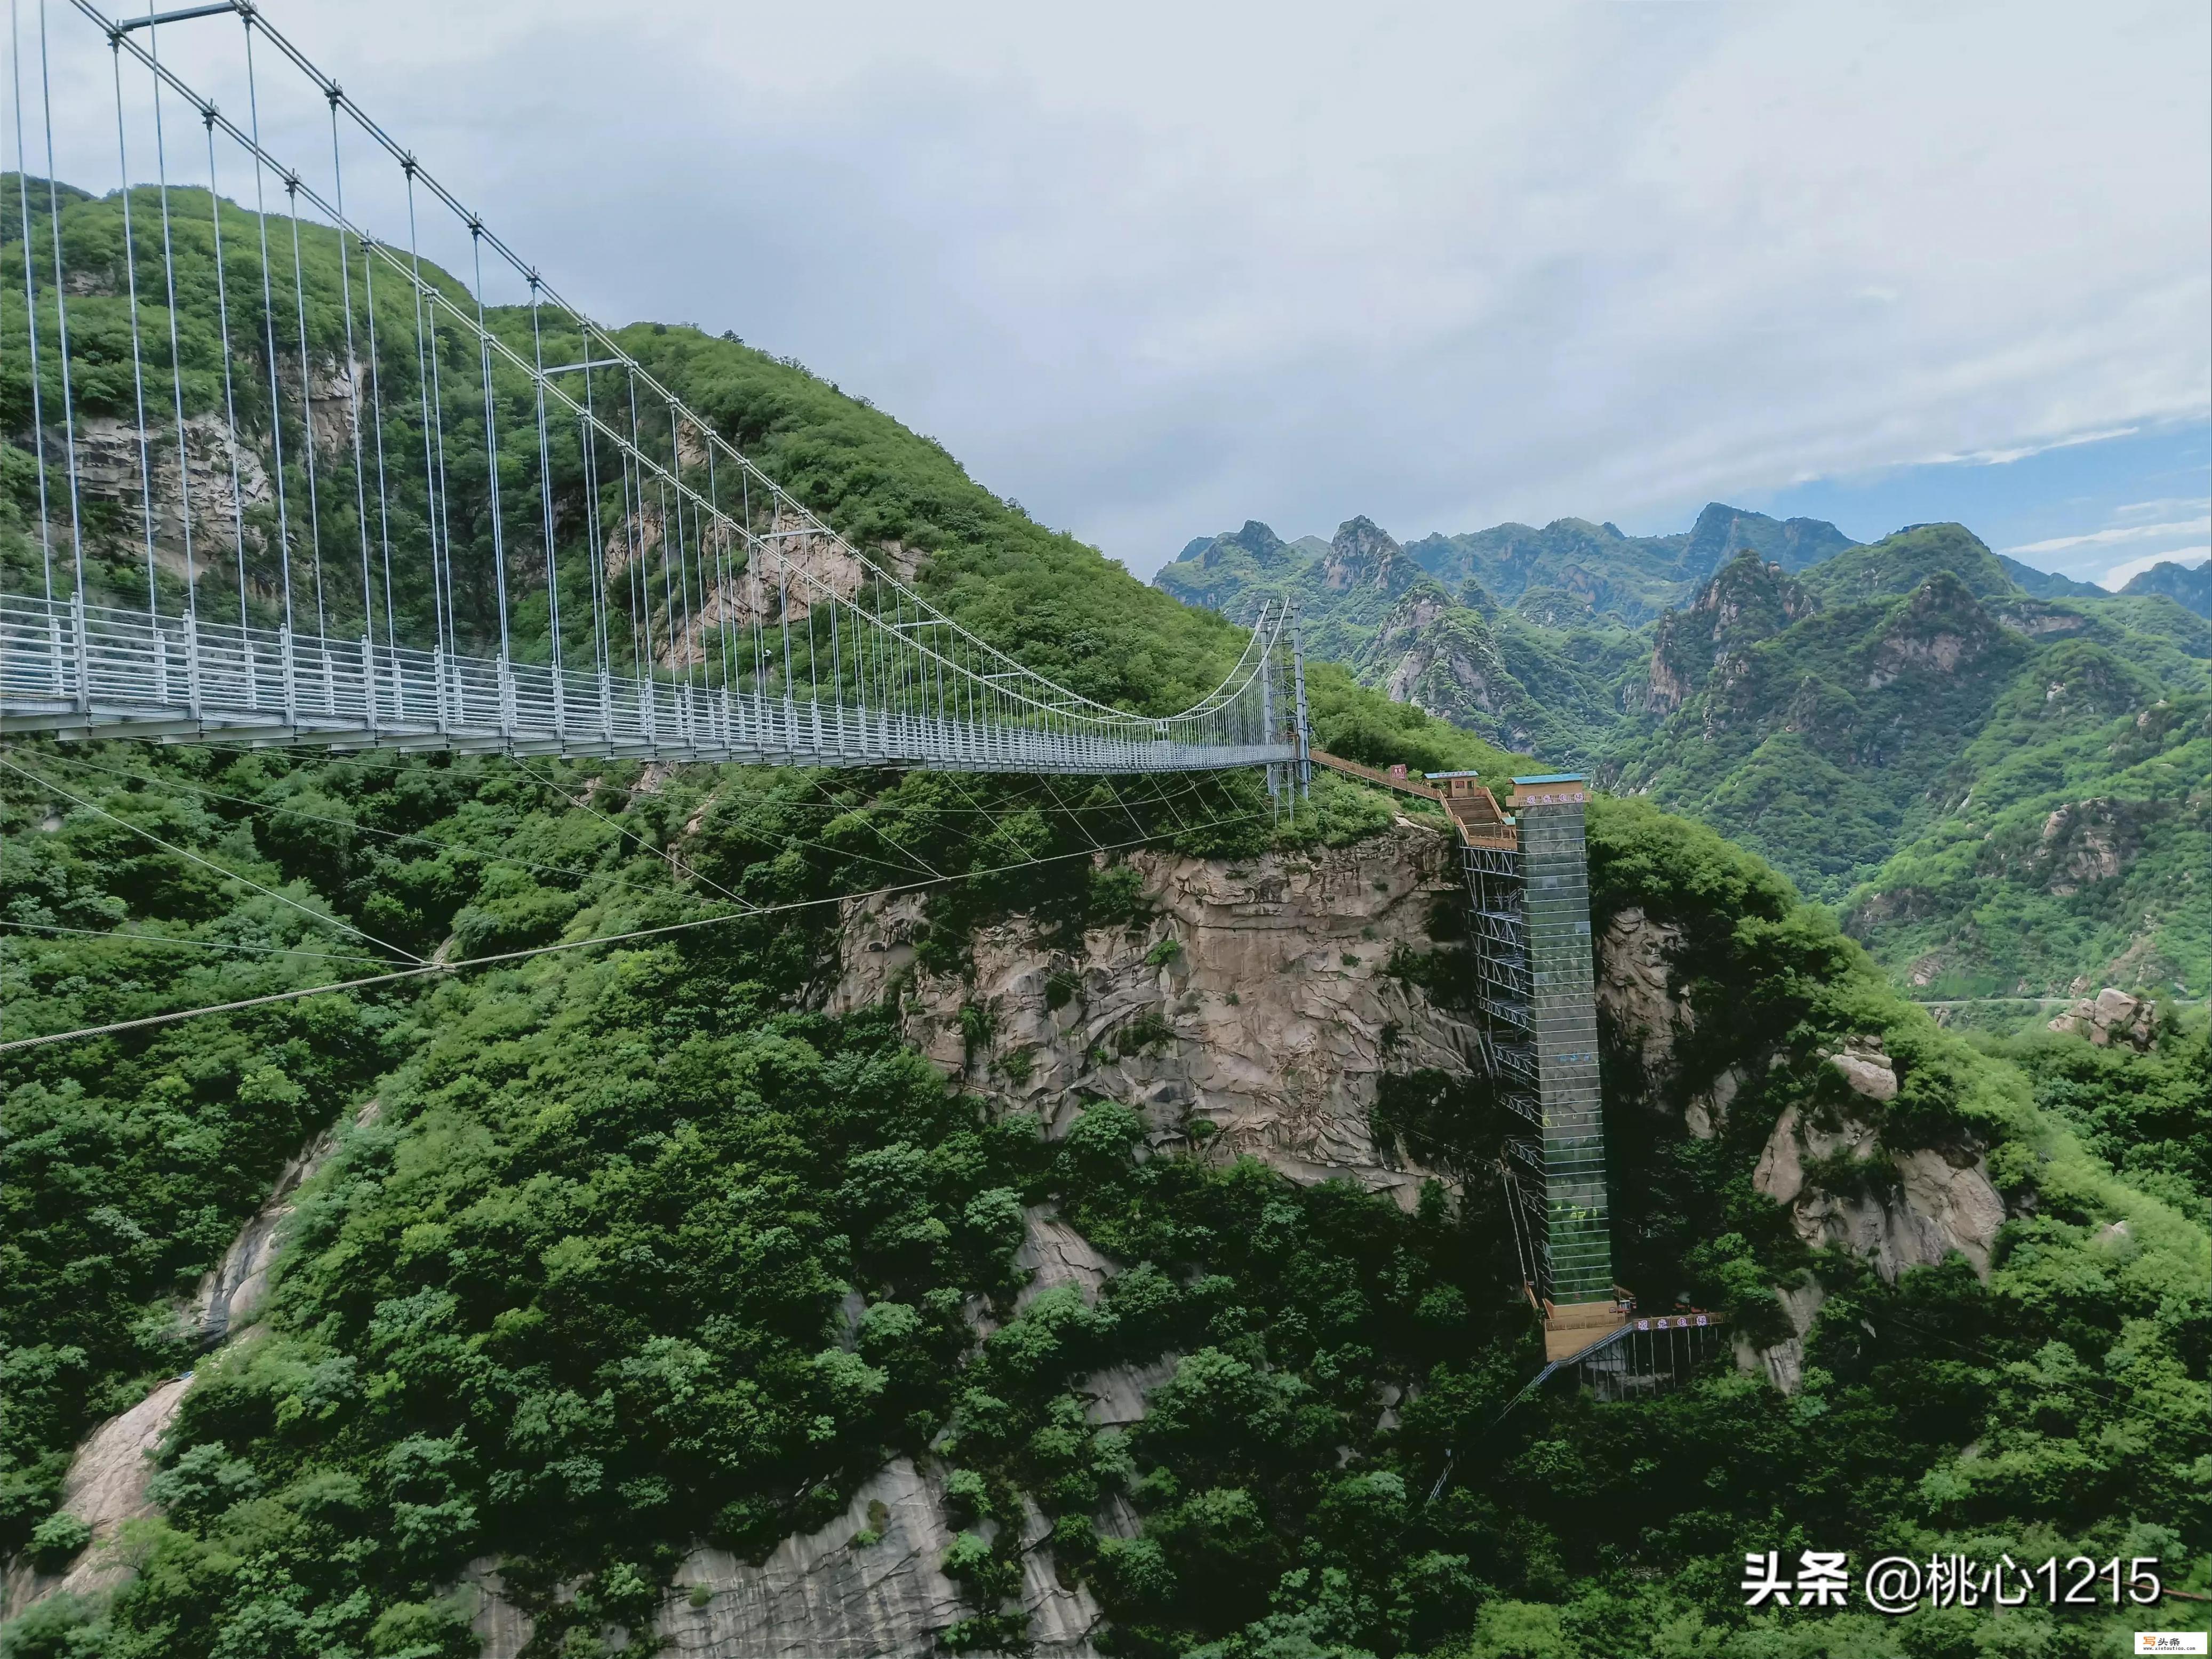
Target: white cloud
[2021, 451]
[1157, 267]
[2133, 532]
[2166, 505]
[2120, 575]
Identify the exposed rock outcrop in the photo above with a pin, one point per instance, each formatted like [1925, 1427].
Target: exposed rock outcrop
[226, 478]
[869, 1583]
[1866, 1068]
[1635, 990]
[1845, 1191]
[230, 1297]
[1445, 661]
[1363, 555]
[1784, 1362]
[2112, 1015]
[1746, 601]
[1902, 1210]
[108, 1479]
[1256, 999]
[810, 567]
[1705, 1114]
[1940, 629]
[1053, 1253]
[105, 1487]
[1647, 1014]
[2089, 842]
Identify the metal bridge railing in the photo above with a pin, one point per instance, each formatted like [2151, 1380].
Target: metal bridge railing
[84, 670]
[412, 594]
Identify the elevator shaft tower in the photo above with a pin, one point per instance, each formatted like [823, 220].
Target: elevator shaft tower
[1526, 865]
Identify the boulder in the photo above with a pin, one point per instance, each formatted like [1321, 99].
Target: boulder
[2112, 1015]
[1866, 1067]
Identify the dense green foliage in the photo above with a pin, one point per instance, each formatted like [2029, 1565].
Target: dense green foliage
[621, 1249]
[577, 1295]
[2072, 844]
[133, 1157]
[1999, 777]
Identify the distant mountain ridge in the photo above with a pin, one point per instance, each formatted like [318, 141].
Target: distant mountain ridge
[1899, 725]
[2189, 585]
[1569, 565]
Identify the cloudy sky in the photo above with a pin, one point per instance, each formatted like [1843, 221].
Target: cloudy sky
[1155, 269]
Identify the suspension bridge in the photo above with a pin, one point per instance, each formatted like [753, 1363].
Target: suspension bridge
[357, 505]
[289, 480]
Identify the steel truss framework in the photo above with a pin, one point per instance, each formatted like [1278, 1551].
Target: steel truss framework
[1531, 933]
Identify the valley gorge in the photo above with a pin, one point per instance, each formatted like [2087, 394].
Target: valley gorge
[891, 1213]
[1888, 723]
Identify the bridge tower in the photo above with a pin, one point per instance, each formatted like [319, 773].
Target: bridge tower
[1528, 875]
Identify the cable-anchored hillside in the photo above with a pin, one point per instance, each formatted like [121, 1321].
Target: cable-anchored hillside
[507, 957]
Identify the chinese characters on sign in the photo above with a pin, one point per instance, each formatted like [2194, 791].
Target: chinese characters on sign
[1898, 1583]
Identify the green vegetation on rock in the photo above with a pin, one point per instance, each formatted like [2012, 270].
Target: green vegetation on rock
[626, 1248]
[1998, 774]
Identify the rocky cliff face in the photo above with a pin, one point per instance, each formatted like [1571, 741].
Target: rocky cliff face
[108, 1478]
[1361, 555]
[1843, 1187]
[1899, 1209]
[1942, 628]
[1252, 1013]
[1745, 602]
[2090, 841]
[105, 1487]
[870, 1582]
[1444, 661]
[228, 480]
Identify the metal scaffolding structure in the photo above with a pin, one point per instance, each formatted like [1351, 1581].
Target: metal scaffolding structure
[1527, 868]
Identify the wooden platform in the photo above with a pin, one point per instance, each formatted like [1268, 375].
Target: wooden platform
[1568, 1330]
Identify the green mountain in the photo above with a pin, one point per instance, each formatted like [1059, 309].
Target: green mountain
[1572, 566]
[1853, 716]
[1569, 570]
[2190, 585]
[2045, 585]
[1868, 721]
[627, 1268]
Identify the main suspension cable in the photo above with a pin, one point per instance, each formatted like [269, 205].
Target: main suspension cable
[429, 967]
[222, 870]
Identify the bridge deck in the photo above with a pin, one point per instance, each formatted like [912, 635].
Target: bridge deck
[122, 674]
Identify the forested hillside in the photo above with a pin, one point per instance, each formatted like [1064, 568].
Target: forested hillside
[1998, 774]
[2191, 585]
[571, 1294]
[627, 1248]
